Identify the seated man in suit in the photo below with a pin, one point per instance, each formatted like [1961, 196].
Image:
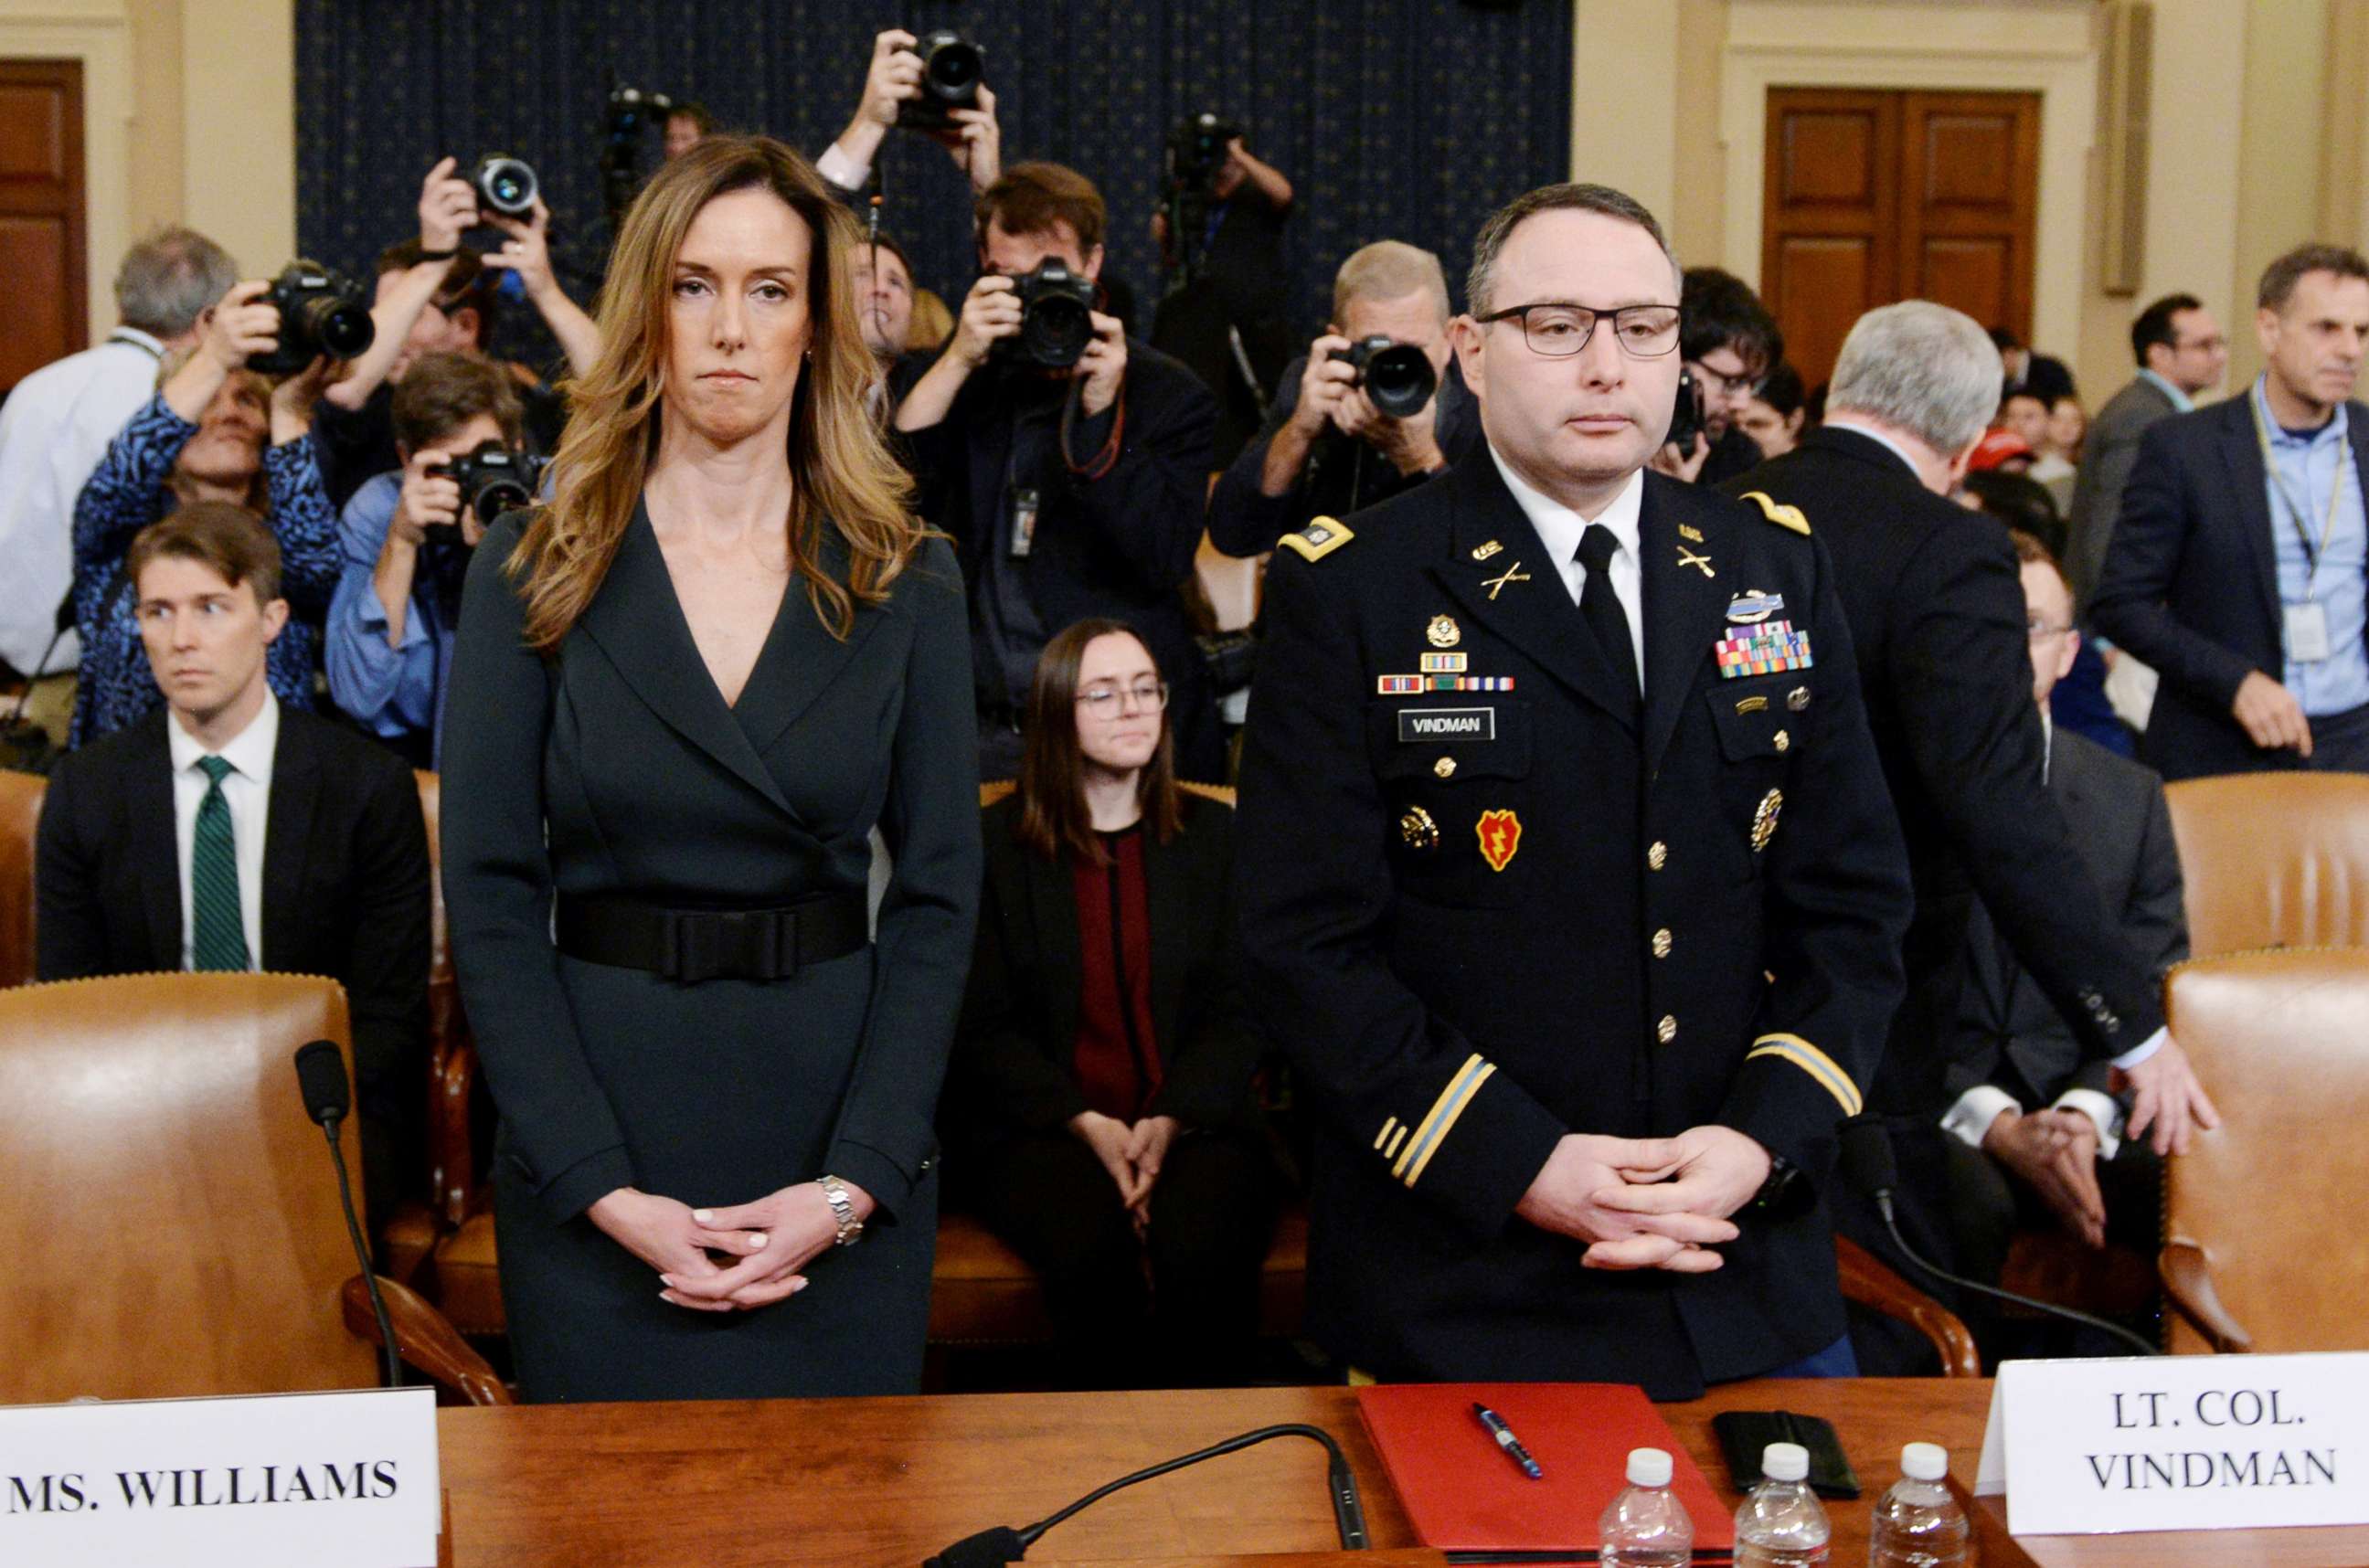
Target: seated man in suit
[2035, 1130]
[228, 832]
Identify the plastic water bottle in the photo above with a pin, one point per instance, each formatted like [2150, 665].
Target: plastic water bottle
[1646, 1526]
[1781, 1525]
[1918, 1523]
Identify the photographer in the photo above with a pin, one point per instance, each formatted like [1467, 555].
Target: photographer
[405, 540]
[1225, 247]
[1074, 488]
[686, 125]
[1729, 341]
[434, 294]
[1326, 450]
[216, 431]
[973, 140]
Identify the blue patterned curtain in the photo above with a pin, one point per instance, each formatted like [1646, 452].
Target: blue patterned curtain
[1394, 118]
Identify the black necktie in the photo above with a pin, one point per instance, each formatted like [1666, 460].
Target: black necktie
[1600, 607]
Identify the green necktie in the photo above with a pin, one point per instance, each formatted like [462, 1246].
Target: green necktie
[214, 878]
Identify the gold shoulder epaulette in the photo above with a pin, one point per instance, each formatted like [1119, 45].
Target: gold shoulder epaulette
[1783, 517]
[1319, 539]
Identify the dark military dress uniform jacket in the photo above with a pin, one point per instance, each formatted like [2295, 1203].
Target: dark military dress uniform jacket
[1482, 918]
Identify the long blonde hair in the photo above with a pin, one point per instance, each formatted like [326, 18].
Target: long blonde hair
[844, 475]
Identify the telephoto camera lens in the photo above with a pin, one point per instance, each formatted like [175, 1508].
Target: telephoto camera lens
[1056, 315]
[1398, 377]
[952, 67]
[1196, 148]
[504, 185]
[321, 312]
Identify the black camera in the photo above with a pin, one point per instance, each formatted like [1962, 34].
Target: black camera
[1056, 316]
[1398, 377]
[321, 312]
[951, 68]
[1197, 149]
[504, 185]
[631, 111]
[494, 479]
[1687, 417]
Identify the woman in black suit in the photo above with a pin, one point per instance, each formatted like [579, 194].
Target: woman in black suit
[1099, 1109]
[683, 693]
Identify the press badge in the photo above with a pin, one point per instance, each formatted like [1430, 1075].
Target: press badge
[1023, 523]
[2307, 632]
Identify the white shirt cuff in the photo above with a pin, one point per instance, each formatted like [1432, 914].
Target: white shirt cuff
[2144, 1049]
[2100, 1109]
[1969, 1121]
[841, 170]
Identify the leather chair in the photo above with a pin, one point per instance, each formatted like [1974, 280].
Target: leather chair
[2273, 860]
[172, 1224]
[21, 817]
[2259, 1251]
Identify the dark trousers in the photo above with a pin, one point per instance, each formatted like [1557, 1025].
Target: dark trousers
[1177, 1307]
[2339, 742]
[1988, 1207]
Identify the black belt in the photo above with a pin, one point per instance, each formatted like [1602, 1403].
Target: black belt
[691, 946]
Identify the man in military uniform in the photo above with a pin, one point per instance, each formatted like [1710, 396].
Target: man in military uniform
[1568, 877]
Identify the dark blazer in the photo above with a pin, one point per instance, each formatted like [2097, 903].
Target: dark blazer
[2009, 1034]
[345, 894]
[1011, 1071]
[2192, 584]
[1697, 921]
[2107, 453]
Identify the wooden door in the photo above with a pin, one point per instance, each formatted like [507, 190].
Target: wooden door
[42, 273]
[1876, 196]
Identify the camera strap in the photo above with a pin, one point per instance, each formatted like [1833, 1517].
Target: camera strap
[1103, 461]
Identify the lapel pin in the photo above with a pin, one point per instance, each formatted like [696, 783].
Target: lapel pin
[1798, 698]
[1487, 549]
[1689, 558]
[1443, 632]
[1512, 574]
[1690, 533]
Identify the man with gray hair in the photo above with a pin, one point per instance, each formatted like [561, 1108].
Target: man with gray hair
[54, 428]
[1328, 448]
[1937, 614]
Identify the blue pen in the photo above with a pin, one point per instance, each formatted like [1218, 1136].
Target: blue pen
[1495, 1426]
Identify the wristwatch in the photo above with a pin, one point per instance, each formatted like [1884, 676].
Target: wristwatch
[842, 1210]
[1786, 1193]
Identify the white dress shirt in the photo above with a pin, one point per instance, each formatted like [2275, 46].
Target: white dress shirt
[1560, 528]
[246, 789]
[53, 431]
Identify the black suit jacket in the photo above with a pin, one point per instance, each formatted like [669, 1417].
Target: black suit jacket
[2107, 453]
[2009, 1034]
[2192, 584]
[1011, 1071]
[344, 894]
[1559, 915]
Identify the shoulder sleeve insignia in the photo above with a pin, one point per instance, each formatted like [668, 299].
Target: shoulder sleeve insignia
[1783, 517]
[1323, 536]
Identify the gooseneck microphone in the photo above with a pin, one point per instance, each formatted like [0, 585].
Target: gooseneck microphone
[321, 1076]
[1867, 1166]
[1003, 1545]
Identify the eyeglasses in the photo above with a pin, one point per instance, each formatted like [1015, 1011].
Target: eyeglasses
[1144, 696]
[1644, 332]
[2039, 630]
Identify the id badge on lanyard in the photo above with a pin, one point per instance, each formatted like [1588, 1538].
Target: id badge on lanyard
[1024, 504]
[2304, 626]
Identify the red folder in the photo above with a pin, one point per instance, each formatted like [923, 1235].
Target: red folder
[1465, 1496]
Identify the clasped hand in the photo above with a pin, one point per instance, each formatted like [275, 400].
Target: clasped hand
[1647, 1202]
[726, 1260]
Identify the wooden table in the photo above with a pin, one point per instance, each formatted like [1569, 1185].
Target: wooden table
[881, 1482]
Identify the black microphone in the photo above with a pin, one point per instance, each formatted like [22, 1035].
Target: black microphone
[1002, 1545]
[321, 1077]
[1867, 1166]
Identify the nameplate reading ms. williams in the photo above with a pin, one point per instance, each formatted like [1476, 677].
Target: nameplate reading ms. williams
[2179, 1443]
[282, 1480]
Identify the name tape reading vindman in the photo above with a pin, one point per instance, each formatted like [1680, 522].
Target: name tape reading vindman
[2179, 1443]
[282, 1480]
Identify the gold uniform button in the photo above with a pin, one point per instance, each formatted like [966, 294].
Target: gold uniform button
[1656, 855]
[1445, 767]
[1783, 741]
[1662, 942]
[1666, 1030]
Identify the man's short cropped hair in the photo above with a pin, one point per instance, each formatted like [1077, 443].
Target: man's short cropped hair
[1033, 197]
[2280, 278]
[1500, 224]
[470, 285]
[2153, 328]
[886, 241]
[1781, 389]
[696, 113]
[221, 534]
[1389, 270]
[171, 279]
[1718, 310]
[443, 391]
[1922, 367]
[2030, 552]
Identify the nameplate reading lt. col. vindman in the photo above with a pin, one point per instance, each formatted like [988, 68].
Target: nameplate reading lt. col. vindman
[2179, 1443]
[281, 1481]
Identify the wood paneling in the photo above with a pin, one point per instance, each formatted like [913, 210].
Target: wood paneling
[1876, 196]
[41, 215]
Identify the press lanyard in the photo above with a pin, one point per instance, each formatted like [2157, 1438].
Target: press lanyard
[120, 336]
[2311, 552]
